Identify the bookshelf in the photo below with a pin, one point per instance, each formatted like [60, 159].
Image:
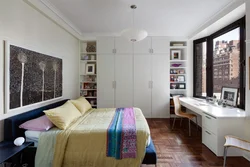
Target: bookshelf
[178, 71]
[88, 71]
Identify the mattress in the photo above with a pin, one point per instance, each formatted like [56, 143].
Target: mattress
[32, 136]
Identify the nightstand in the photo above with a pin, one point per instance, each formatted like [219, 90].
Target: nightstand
[9, 150]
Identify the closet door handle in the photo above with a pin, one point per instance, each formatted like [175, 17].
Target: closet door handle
[152, 84]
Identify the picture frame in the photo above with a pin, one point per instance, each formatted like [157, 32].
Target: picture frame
[181, 78]
[182, 86]
[230, 95]
[90, 68]
[21, 63]
[175, 54]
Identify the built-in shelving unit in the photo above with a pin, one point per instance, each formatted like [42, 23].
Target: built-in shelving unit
[178, 64]
[88, 71]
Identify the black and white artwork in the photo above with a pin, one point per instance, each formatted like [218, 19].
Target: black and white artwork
[230, 95]
[31, 77]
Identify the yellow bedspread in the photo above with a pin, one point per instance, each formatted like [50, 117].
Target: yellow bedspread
[83, 144]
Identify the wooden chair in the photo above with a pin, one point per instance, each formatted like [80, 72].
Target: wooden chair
[180, 113]
[232, 141]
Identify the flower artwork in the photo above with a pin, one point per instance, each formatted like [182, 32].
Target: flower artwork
[31, 77]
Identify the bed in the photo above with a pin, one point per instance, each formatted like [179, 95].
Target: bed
[12, 130]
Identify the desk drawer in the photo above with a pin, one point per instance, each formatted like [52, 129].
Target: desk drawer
[209, 139]
[209, 123]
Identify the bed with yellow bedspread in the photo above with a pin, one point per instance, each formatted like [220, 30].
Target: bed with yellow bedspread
[83, 143]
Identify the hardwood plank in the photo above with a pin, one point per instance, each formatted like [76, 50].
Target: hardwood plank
[176, 149]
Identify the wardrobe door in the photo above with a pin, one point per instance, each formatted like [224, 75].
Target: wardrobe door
[142, 83]
[105, 81]
[160, 45]
[124, 80]
[160, 86]
[123, 46]
[105, 45]
[143, 47]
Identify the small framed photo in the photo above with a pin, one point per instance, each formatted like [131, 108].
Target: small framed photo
[181, 78]
[176, 54]
[230, 95]
[90, 68]
[182, 86]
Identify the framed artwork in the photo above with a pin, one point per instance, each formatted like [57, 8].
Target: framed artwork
[182, 86]
[229, 95]
[181, 78]
[90, 68]
[176, 54]
[31, 78]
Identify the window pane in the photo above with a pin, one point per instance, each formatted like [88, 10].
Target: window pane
[201, 58]
[226, 61]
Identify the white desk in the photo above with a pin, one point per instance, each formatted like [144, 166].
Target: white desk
[217, 121]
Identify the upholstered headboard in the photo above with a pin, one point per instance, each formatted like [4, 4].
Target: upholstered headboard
[11, 125]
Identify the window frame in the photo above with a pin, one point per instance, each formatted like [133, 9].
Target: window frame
[209, 62]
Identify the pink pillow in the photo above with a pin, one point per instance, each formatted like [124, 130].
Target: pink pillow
[39, 124]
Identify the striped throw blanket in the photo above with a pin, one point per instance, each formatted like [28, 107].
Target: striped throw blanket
[121, 134]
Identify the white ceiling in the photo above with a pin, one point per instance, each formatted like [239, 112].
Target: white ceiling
[158, 17]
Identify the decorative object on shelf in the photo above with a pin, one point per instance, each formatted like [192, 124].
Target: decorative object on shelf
[230, 95]
[86, 57]
[22, 65]
[91, 47]
[90, 68]
[174, 71]
[92, 57]
[176, 65]
[182, 86]
[173, 86]
[134, 34]
[176, 54]
[178, 44]
[181, 78]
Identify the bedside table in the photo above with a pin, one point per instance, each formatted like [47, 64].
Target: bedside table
[9, 150]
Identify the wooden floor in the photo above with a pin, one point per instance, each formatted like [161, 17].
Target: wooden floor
[176, 149]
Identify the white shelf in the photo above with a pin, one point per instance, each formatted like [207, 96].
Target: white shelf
[177, 67]
[177, 89]
[88, 82]
[87, 74]
[88, 89]
[178, 47]
[90, 97]
[88, 53]
[173, 61]
[177, 74]
[177, 82]
[88, 61]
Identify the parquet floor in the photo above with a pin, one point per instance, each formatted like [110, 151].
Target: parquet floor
[176, 149]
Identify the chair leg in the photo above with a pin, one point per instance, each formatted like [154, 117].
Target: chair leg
[181, 122]
[189, 127]
[225, 156]
[173, 123]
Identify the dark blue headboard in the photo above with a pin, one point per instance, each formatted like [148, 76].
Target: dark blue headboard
[11, 125]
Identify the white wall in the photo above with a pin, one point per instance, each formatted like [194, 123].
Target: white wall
[23, 25]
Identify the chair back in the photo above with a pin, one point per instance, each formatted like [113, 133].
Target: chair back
[177, 105]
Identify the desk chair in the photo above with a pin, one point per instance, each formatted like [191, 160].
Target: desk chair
[180, 113]
[232, 141]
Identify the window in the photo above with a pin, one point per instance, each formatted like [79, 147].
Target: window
[200, 69]
[219, 60]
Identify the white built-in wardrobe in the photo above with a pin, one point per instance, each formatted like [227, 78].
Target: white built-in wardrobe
[134, 74]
